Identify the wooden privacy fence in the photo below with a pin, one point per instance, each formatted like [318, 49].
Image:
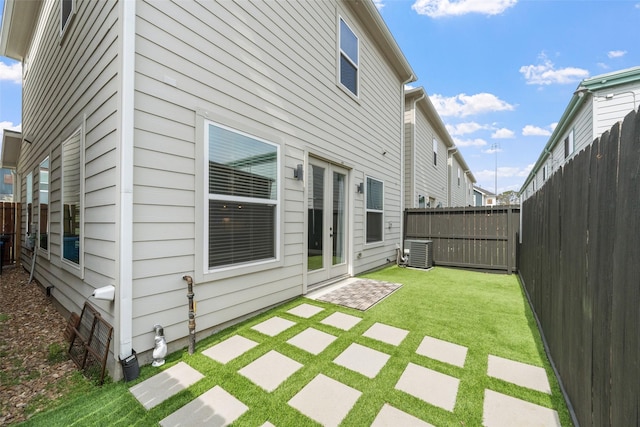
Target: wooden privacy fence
[580, 266]
[471, 237]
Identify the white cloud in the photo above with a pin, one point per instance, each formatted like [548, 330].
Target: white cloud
[12, 72]
[504, 172]
[503, 133]
[409, 87]
[478, 142]
[463, 105]
[553, 126]
[616, 53]
[494, 149]
[379, 4]
[546, 73]
[603, 65]
[10, 126]
[440, 8]
[530, 130]
[465, 128]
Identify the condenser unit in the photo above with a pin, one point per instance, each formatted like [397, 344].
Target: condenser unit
[420, 253]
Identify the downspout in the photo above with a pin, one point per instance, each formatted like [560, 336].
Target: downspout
[450, 152]
[127, 75]
[413, 145]
[412, 78]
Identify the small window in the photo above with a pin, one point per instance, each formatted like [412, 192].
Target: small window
[67, 9]
[544, 173]
[458, 176]
[43, 201]
[375, 211]
[569, 145]
[435, 152]
[534, 184]
[421, 201]
[243, 197]
[349, 51]
[71, 199]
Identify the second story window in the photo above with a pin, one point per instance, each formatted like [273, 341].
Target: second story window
[349, 52]
[569, 145]
[435, 152]
[66, 13]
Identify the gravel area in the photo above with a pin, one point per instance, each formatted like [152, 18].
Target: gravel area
[34, 365]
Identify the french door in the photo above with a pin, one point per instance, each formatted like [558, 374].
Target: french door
[327, 218]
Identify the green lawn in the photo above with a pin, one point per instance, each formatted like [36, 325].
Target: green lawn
[487, 313]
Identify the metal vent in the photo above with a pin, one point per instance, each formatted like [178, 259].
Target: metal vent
[420, 253]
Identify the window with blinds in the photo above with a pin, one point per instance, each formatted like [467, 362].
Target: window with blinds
[242, 179]
[375, 207]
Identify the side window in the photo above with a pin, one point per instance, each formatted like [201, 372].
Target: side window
[375, 212]
[458, 176]
[67, 10]
[435, 152]
[71, 199]
[243, 197]
[569, 145]
[30, 238]
[349, 58]
[43, 201]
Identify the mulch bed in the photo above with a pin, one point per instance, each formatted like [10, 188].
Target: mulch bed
[34, 365]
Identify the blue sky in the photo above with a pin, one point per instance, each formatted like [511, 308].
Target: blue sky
[500, 72]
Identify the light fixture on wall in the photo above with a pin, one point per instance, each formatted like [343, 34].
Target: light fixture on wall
[360, 188]
[298, 173]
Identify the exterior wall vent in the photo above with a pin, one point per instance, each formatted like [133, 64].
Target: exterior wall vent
[420, 253]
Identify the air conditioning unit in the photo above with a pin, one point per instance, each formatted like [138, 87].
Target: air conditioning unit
[420, 253]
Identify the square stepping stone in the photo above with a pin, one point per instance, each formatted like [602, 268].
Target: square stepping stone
[443, 351]
[500, 410]
[273, 326]
[155, 390]
[433, 387]
[215, 407]
[385, 333]
[270, 370]
[312, 340]
[341, 321]
[363, 360]
[390, 417]
[305, 310]
[518, 373]
[229, 349]
[325, 400]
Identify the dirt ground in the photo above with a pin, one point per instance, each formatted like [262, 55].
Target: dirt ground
[34, 365]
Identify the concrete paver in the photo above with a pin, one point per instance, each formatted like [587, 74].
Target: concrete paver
[162, 386]
[522, 374]
[270, 370]
[363, 360]
[305, 310]
[312, 340]
[215, 407]
[325, 400]
[500, 410]
[341, 321]
[229, 349]
[385, 333]
[392, 417]
[443, 351]
[431, 386]
[273, 326]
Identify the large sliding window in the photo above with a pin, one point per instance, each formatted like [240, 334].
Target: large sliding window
[375, 213]
[243, 197]
[71, 199]
[43, 201]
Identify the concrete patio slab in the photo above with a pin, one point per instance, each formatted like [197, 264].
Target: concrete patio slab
[215, 407]
[341, 321]
[273, 326]
[325, 400]
[270, 370]
[160, 387]
[363, 360]
[385, 333]
[500, 410]
[229, 349]
[444, 351]
[518, 373]
[433, 387]
[392, 417]
[312, 340]
[305, 310]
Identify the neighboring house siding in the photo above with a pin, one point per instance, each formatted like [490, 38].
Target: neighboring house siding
[613, 104]
[69, 84]
[268, 69]
[411, 198]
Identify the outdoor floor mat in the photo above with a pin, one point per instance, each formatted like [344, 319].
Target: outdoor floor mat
[361, 294]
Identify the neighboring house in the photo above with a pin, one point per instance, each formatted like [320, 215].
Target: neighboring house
[255, 146]
[483, 197]
[435, 173]
[596, 105]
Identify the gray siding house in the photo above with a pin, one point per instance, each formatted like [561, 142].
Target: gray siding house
[435, 173]
[255, 146]
[596, 105]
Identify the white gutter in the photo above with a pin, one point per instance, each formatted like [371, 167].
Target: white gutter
[413, 145]
[124, 307]
[412, 78]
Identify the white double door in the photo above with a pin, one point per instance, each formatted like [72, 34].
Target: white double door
[327, 219]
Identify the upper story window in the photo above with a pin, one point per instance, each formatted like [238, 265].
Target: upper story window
[71, 199]
[458, 176]
[243, 198]
[435, 152]
[544, 173]
[569, 145]
[67, 9]
[375, 212]
[349, 58]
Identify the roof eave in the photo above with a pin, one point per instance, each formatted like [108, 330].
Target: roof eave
[18, 24]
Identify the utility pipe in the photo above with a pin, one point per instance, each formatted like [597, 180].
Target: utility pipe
[192, 315]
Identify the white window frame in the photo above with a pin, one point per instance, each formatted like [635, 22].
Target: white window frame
[458, 176]
[44, 251]
[29, 201]
[570, 146]
[435, 153]
[257, 265]
[342, 53]
[68, 264]
[65, 22]
[371, 210]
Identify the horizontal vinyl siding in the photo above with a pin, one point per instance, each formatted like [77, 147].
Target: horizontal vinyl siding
[609, 111]
[431, 180]
[267, 69]
[70, 82]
